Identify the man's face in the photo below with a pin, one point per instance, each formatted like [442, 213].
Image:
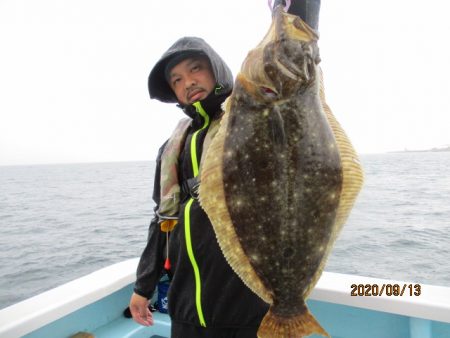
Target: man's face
[192, 80]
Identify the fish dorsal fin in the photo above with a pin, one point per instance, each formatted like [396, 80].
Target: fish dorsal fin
[212, 199]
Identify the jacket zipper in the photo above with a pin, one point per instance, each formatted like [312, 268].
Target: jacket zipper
[187, 216]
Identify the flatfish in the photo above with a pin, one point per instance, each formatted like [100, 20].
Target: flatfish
[280, 176]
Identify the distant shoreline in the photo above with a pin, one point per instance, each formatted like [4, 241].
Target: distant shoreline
[432, 150]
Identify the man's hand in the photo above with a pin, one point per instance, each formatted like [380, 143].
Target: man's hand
[139, 310]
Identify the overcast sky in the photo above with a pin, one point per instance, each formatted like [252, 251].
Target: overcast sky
[73, 74]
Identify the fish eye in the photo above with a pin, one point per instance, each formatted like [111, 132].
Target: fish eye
[268, 92]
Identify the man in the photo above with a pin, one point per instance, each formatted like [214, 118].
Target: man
[206, 298]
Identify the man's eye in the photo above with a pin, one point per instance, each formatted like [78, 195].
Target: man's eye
[174, 82]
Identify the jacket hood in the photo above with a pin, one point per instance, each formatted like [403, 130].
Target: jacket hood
[159, 88]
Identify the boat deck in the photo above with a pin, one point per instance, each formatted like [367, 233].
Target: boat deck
[340, 321]
[126, 327]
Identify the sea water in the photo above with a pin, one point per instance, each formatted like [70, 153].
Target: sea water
[60, 222]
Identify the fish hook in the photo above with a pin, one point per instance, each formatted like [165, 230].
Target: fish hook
[286, 7]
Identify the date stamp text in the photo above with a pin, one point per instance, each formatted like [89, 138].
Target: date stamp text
[397, 290]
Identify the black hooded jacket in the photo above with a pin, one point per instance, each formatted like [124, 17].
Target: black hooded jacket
[204, 290]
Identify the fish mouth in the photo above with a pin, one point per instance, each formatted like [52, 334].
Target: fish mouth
[195, 94]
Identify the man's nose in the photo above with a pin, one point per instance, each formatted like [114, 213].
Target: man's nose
[190, 81]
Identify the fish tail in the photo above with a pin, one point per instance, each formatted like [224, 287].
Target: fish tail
[303, 325]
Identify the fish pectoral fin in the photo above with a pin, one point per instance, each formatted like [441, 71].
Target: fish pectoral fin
[274, 326]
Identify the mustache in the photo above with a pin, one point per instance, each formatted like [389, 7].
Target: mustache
[193, 90]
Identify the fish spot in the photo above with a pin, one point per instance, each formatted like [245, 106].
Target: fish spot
[254, 257]
[229, 153]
